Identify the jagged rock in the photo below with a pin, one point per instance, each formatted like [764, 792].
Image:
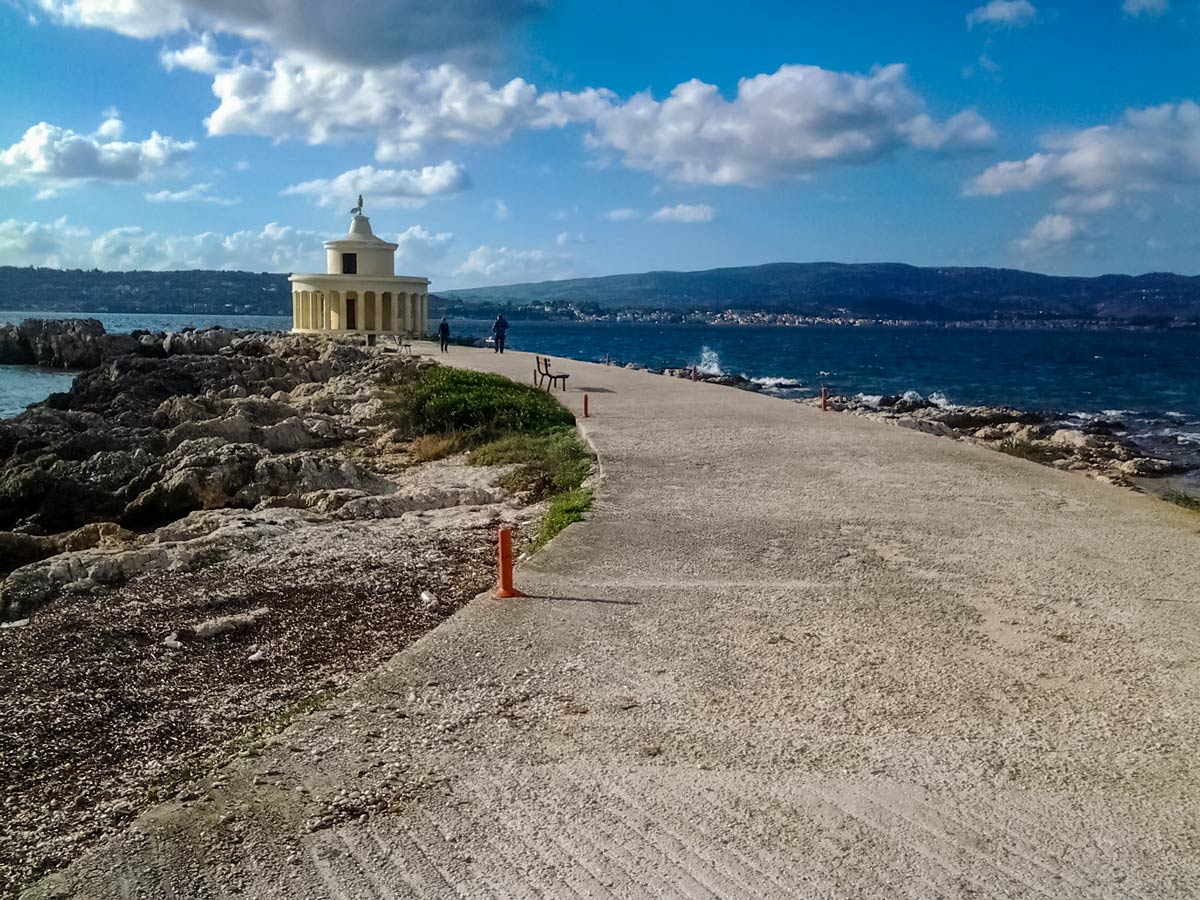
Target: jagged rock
[17, 549]
[61, 343]
[928, 426]
[1069, 437]
[1144, 467]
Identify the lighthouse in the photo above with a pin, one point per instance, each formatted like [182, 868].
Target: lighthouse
[360, 292]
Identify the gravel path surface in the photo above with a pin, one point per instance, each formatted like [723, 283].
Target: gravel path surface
[789, 654]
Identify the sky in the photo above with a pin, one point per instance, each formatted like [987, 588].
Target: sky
[500, 141]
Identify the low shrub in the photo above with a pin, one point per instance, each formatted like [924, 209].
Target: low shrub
[548, 464]
[428, 447]
[1179, 498]
[442, 400]
[1027, 450]
[442, 411]
[565, 509]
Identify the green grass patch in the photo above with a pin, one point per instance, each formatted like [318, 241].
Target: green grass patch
[442, 400]
[441, 411]
[1179, 498]
[547, 464]
[565, 509]
[1024, 449]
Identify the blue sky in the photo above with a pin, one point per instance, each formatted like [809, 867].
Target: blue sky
[524, 140]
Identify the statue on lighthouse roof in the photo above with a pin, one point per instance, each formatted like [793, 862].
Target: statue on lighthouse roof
[357, 211]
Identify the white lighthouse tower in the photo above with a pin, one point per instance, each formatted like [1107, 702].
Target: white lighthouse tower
[360, 292]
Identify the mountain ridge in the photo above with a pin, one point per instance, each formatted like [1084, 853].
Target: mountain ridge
[871, 289]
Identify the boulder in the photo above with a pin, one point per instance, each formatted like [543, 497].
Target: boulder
[1069, 437]
[1145, 467]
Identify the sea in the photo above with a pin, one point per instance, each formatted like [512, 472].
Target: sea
[1147, 381]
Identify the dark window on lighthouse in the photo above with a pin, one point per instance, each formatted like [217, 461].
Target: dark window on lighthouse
[349, 263]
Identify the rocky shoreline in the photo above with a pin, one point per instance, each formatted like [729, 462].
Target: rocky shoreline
[207, 535]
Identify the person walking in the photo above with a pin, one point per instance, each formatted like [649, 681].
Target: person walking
[499, 331]
[444, 335]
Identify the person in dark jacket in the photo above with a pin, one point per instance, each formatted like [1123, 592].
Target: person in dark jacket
[444, 334]
[499, 331]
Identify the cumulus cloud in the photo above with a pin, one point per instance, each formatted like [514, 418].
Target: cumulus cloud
[787, 124]
[382, 30]
[404, 108]
[199, 56]
[55, 244]
[1148, 7]
[1148, 151]
[197, 193]
[688, 213]
[1051, 233]
[420, 249]
[275, 248]
[487, 265]
[1005, 14]
[58, 156]
[385, 187]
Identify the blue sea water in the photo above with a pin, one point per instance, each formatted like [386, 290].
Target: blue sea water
[1150, 380]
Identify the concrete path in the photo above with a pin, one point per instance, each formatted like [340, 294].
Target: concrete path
[790, 654]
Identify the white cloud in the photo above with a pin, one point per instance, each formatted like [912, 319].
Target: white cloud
[486, 265]
[375, 32]
[199, 56]
[688, 213]
[624, 214]
[197, 193]
[1051, 233]
[784, 125]
[135, 18]
[1149, 7]
[316, 82]
[275, 248]
[385, 187]
[403, 108]
[1004, 13]
[500, 210]
[58, 156]
[55, 244]
[1148, 151]
[420, 249]
[567, 238]
[241, 166]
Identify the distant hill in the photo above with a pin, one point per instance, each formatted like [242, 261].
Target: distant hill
[92, 291]
[887, 290]
[874, 290]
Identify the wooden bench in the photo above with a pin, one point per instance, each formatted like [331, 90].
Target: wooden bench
[542, 374]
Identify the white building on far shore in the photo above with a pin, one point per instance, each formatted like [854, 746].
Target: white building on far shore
[360, 292]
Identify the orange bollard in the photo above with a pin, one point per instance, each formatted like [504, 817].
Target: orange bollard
[505, 588]
[585, 407]
[824, 397]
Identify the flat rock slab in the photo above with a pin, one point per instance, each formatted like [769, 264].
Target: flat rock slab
[789, 654]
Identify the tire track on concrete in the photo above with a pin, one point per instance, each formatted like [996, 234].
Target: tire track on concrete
[745, 884]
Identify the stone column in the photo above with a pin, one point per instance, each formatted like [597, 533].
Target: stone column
[341, 308]
[295, 309]
[424, 315]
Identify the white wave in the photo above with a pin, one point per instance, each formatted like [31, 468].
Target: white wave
[940, 400]
[710, 362]
[771, 382]
[869, 399]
